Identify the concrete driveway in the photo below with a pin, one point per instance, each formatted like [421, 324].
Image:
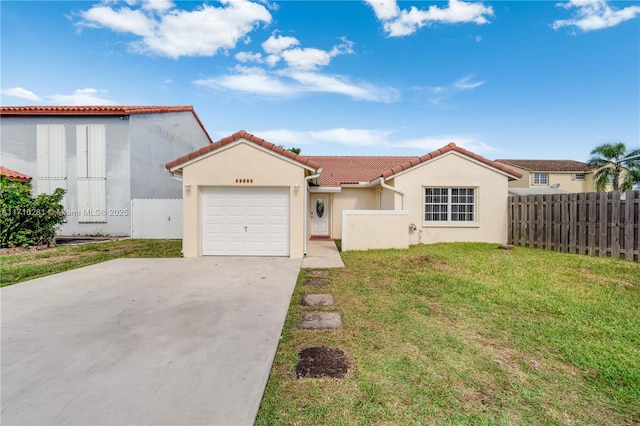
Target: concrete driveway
[144, 341]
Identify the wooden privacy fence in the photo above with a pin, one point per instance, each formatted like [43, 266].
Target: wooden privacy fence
[594, 223]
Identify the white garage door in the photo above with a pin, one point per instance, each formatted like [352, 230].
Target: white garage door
[245, 221]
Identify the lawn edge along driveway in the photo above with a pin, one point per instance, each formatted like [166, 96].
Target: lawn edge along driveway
[144, 341]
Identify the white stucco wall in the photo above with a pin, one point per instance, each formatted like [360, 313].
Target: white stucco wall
[374, 229]
[242, 160]
[456, 170]
[351, 199]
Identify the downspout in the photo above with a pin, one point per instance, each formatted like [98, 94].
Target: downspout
[306, 204]
[396, 190]
[174, 176]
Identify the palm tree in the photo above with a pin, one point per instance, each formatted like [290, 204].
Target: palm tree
[616, 166]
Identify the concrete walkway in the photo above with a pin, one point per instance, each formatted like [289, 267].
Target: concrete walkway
[144, 342]
[322, 254]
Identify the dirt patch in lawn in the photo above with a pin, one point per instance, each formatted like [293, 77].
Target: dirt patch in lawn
[317, 362]
[15, 250]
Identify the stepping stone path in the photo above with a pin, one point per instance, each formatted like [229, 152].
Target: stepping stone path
[321, 320]
[317, 300]
[320, 361]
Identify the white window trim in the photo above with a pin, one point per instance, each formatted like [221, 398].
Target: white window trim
[451, 223]
[575, 176]
[533, 179]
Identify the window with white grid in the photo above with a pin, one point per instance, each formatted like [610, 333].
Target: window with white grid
[449, 204]
[541, 178]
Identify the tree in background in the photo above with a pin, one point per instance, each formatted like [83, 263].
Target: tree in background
[26, 220]
[615, 167]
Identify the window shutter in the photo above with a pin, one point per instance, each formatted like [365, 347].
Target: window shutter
[51, 157]
[91, 170]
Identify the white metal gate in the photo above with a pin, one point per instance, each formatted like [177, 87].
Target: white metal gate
[156, 218]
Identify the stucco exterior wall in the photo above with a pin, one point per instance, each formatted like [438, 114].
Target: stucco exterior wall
[157, 139]
[455, 170]
[241, 161]
[374, 229]
[351, 199]
[524, 182]
[18, 152]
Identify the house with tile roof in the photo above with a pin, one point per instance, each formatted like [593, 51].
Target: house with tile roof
[109, 159]
[243, 195]
[545, 176]
[15, 176]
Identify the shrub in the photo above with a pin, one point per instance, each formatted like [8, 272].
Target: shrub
[26, 220]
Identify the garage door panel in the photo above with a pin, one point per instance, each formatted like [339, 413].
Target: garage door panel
[245, 221]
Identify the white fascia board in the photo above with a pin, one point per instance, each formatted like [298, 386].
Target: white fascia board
[235, 143]
[324, 189]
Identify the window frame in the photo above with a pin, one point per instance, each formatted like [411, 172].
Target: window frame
[451, 208]
[583, 176]
[536, 181]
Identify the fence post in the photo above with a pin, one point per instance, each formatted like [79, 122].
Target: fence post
[615, 224]
[603, 224]
[593, 222]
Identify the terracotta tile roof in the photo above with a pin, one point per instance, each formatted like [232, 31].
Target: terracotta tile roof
[450, 147]
[237, 136]
[98, 110]
[549, 165]
[347, 170]
[13, 175]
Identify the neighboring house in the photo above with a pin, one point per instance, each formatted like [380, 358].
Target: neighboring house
[13, 175]
[245, 196]
[105, 157]
[566, 175]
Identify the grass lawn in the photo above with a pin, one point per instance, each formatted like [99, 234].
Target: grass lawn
[469, 334]
[26, 266]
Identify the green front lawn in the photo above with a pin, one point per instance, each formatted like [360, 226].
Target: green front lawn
[15, 268]
[469, 334]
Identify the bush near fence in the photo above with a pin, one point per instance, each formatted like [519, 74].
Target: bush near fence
[594, 223]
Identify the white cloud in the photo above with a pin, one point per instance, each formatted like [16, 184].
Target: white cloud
[248, 57]
[276, 44]
[311, 58]
[402, 22]
[340, 136]
[123, 20]
[465, 83]
[384, 9]
[251, 80]
[316, 82]
[352, 137]
[20, 93]
[159, 5]
[168, 31]
[431, 143]
[298, 74]
[88, 96]
[592, 15]
[379, 138]
[438, 94]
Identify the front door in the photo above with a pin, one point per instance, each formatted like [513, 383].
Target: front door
[319, 211]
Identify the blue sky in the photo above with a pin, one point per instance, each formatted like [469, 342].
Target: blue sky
[505, 79]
